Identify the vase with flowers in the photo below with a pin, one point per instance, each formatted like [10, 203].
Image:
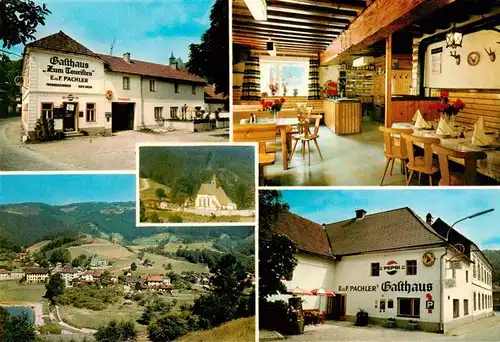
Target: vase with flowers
[447, 109]
[274, 88]
[273, 107]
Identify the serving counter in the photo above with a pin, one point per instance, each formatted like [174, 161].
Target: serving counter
[343, 116]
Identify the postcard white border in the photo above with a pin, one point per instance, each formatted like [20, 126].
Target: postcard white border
[195, 224]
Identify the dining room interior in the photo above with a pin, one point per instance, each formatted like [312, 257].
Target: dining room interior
[338, 92]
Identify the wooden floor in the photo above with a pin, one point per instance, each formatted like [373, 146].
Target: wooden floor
[348, 160]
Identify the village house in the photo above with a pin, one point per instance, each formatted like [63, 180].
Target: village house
[96, 93]
[496, 297]
[212, 196]
[98, 262]
[36, 274]
[157, 283]
[68, 274]
[90, 276]
[404, 269]
[17, 274]
[4, 274]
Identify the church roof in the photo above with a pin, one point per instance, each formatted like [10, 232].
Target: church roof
[217, 191]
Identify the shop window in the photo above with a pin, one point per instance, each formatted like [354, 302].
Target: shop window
[411, 267]
[126, 83]
[91, 112]
[375, 269]
[176, 88]
[390, 304]
[466, 307]
[48, 110]
[475, 306]
[466, 276]
[409, 307]
[158, 113]
[193, 89]
[456, 308]
[152, 85]
[173, 112]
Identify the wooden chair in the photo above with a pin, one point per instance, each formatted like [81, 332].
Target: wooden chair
[468, 177]
[260, 133]
[420, 164]
[394, 148]
[306, 137]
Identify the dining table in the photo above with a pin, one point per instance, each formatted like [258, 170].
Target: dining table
[490, 166]
[282, 126]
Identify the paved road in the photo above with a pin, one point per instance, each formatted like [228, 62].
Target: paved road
[487, 329]
[117, 152]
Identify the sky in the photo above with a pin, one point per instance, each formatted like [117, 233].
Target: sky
[66, 189]
[149, 29]
[327, 206]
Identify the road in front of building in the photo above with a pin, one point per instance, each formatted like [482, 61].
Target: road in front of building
[85, 153]
[487, 329]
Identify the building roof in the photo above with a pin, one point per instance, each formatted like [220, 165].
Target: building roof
[17, 270]
[393, 229]
[94, 273]
[307, 235]
[215, 190]
[60, 41]
[3, 270]
[155, 278]
[68, 270]
[118, 64]
[36, 270]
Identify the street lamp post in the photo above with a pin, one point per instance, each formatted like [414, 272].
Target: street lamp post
[468, 217]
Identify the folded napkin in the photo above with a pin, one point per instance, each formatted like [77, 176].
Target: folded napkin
[419, 121]
[415, 116]
[479, 138]
[444, 128]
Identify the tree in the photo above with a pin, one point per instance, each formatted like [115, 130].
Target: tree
[19, 20]
[16, 328]
[133, 266]
[167, 328]
[116, 332]
[141, 255]
[210, 58]
[276, 252]
[55, 287]
[160, 193]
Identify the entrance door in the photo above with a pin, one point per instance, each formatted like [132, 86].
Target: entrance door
[337, 305]
[69, 116]
[122, 116]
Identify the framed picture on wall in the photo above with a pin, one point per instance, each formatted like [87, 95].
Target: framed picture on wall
[437, 60]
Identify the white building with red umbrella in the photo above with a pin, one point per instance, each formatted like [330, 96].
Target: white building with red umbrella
[391, 264]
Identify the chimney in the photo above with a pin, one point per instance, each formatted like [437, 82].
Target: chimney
[360, 214]
[126, 57]
[428, 219]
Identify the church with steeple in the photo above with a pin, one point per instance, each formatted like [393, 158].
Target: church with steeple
[212, 196]
[176, 62]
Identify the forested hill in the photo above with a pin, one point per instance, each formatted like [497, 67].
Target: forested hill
[184, 169]
[493, 256]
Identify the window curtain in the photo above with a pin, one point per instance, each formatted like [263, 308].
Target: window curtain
[314, 91]
[251, 80]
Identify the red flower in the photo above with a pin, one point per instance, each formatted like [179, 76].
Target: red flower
[269, 104]
[262, 102]
[444, 93]
[282, 100]
[277, 101]
[442, 107]
[459, 104]
[433, 106]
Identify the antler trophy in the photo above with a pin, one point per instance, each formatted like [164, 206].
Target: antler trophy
[491, 54]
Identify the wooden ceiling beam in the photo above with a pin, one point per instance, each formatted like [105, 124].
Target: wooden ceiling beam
[379, 20]
[263, 43]
[260, 44]
[350, 5]
[278, 38]
[297, 32]
[299, 19]
[273, 35]
[287, 53]
[328, 14]
[284, 23]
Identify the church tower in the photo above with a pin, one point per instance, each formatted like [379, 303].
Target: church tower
[171, 60]
[214, 181]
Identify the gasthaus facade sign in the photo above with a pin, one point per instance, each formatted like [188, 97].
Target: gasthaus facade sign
[422, 278]
[65, 81]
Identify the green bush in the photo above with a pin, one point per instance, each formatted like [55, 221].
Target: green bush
[90, 297]
[50, 329]
[45, 129]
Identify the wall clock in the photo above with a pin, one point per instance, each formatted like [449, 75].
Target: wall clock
[428, 259]
[473, 58]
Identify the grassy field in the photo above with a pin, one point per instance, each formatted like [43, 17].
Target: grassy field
[165, 215]
[123, 258]
[241, 330]
[37, 246]
[85, 318]
[12, 291]
[173, 244]
[149, 193]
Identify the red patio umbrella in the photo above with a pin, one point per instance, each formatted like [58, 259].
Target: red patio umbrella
[326, 292]
[298, 291]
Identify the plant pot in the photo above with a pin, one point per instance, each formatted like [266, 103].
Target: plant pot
[362, 319]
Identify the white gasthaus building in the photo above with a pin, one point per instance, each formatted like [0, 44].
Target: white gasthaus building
[391, 264]
[97, 93]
